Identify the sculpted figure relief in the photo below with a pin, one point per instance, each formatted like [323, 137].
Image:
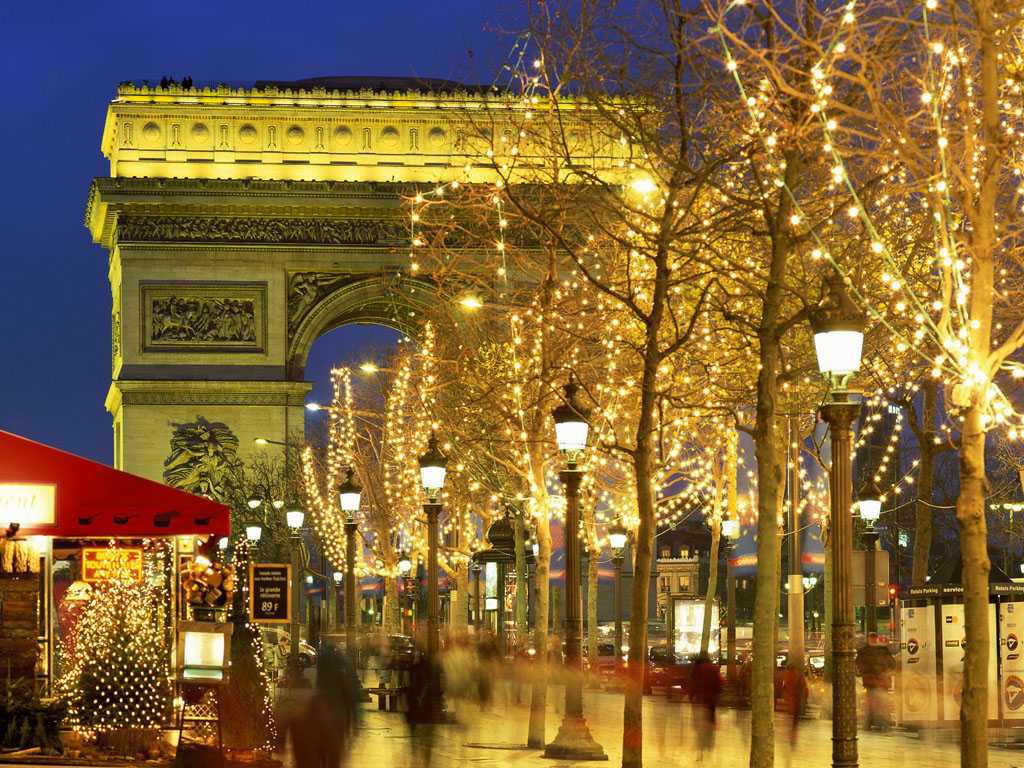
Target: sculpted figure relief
[261, 230]
[204, 455]
[203, 319]
[305, 288]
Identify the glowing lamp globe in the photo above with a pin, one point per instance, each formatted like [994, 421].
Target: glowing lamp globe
[254, 502]
[869, 510]
[731, 529]
[337, 577]
[295, 518]
[222, 543]
[404, 565]
[838, 350]
[349, 494]
[869, 503]
[617, 537]
[432, 467]
[571, 425]
[253, 532]
[838, 328]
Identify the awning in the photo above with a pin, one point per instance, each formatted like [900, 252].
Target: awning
[55, 493]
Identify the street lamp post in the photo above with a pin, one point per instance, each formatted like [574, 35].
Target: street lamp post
[869, 507]
[796, 594]
[730, 532]
[404, 567]
[295, 517]
[349, 498]
[838, 340]
[478, 622]
[338, 577]
[574, 740]
[432, 472]
[617, 537]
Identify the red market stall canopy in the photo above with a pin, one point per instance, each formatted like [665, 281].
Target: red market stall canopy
[51, 492]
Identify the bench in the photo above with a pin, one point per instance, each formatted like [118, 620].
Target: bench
[387, 698]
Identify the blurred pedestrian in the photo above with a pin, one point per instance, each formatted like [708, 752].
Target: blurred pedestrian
[794, 698]
[875, 665]
[322, 732]
[424, 710]
[707, 688]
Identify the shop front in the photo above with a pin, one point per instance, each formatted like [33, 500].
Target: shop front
[73, 527]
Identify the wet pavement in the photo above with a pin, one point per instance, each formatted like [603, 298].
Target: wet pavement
[495, 737]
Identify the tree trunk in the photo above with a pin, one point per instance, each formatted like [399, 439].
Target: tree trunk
[766, 596]
[925, 485]
[970, 513]
[970, 506]
[522, 629]
[712, 591]
[592, 562]
[632, 714]
[768, 450]
[537, 737]
[460, 610]
[392, 610]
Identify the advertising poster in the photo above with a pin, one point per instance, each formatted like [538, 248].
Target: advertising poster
[954, 642]
[1011, 622]
[269, 594]
[917, 662]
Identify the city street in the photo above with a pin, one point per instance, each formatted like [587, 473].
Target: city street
[495, 737]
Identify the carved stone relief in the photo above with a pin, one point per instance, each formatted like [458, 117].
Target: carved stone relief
[203, 318]
[115, 337]
[196, 317]
[260, 230]
[305, 289]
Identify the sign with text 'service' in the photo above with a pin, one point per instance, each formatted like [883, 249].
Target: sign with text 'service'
[269, 596]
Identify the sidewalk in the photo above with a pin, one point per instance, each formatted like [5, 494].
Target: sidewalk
[495, 738]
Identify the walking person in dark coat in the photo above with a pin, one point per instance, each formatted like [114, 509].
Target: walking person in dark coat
[875, 665]
[707, 688]
[423, 713]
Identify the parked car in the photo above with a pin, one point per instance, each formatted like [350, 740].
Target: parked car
[402, 651]
[667, 671]
[282, 639]
[607, 666]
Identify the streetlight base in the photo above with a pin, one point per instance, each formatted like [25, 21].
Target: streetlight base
[574, 742]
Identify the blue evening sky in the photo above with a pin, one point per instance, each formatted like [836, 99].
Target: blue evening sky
[60, 64]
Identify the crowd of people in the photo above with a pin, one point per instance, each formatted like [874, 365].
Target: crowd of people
[462, 680]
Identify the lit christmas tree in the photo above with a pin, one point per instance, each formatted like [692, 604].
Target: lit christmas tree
[117, 678]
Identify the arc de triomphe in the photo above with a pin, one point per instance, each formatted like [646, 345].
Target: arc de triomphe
[243, 223]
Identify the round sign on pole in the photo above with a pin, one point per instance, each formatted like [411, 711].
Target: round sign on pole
[1013, 692]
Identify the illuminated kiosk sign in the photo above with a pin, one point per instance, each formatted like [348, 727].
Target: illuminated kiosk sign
[30, 505]
[111, 564]
[269, 596]
[204, 651]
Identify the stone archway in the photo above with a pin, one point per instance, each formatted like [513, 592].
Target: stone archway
[329, 300]
[243, 223]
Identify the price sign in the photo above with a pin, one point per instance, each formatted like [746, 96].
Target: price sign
[270, 599]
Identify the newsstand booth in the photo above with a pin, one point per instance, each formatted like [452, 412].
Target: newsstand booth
[932, 642]
[70, 523]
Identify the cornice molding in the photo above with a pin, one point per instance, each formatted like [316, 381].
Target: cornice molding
[292, 393]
